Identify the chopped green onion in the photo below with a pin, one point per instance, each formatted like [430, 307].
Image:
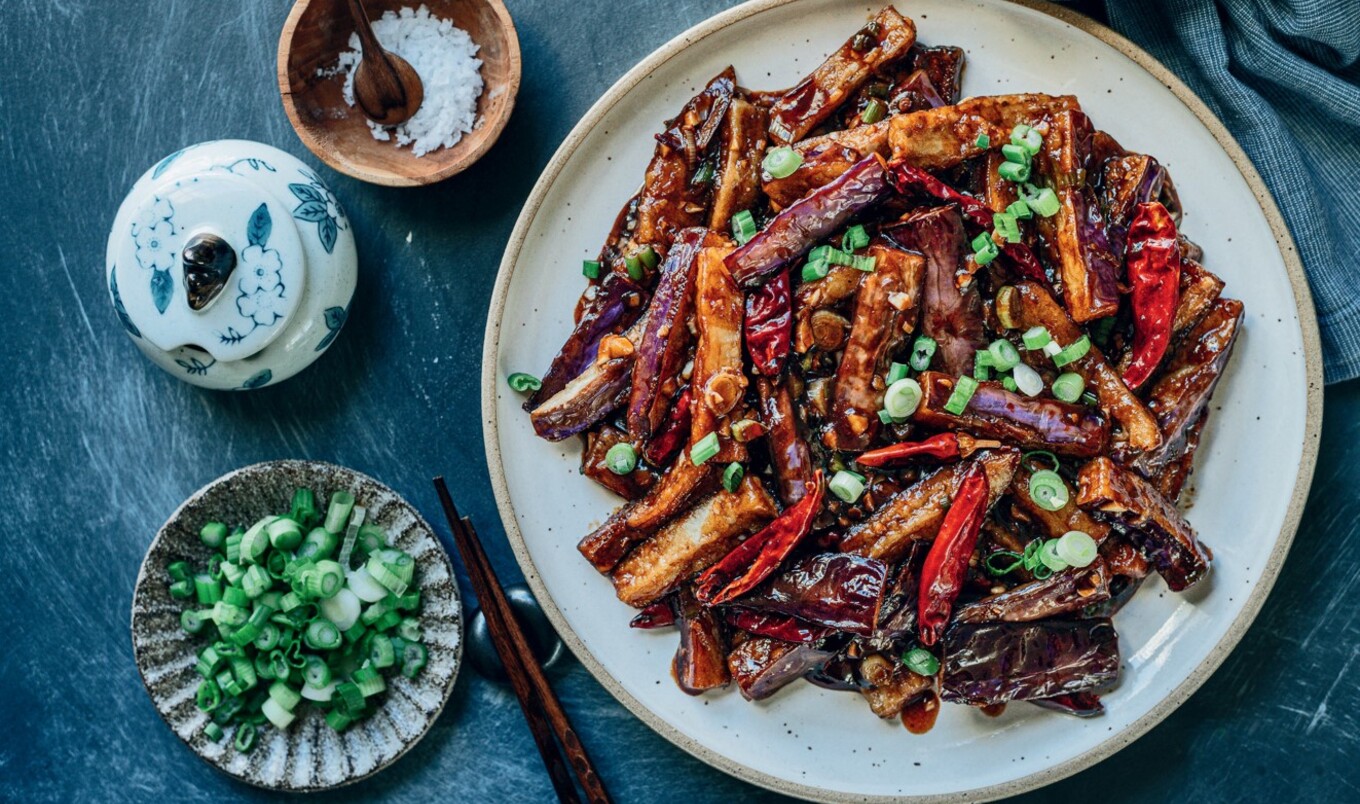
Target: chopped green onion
[649, 257]
[815, 269]
[704, 175]
[622, 458]
[319, 543]
[245, 737]
[409, 629]
[847, 485]
[212, 731]
[704, 449]
[337, 720]
[276, 713]
[369, 681]
[1049, 556]
[886, 417]
[896, 371]
[964, 388]
[856, 238]
[984, 249]
[922, 351]
[1020, 210]
[233, 545]
[256, 581]
[331, 578]
[1004, 354]
[633, 264]
[1015, 559]
[1077, 548]
[982, 365]
[1048, 490]
[1069, 387]
[193, 621]
[1011, 171]
[380, 651]
[284, 533]
[865, 264]
[255, 542]
[1089, 398]
[213, 534]
[1015, 153]
[1009, 384]
[983, 141]
[1032, 141]
[413, 658]
[921, 662]
[831, 255]
[182, 590]
[1036, 338]
[902, 398]
[284, 695]
[1045, 203]
[209, 591]
[1052, 348]
[315, 672]
[268, 638]
[179, 571]
[743, 226]
[341, 506]
[591, 269]
[1006, 225]
[322, 634]
[781, 162]
[874, 111]
[732, 476]
[1073, 352]
[521, 383]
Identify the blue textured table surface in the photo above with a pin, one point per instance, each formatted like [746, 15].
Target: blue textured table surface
[99, 446]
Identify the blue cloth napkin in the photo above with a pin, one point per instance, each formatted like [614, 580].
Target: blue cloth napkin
[1284, 75]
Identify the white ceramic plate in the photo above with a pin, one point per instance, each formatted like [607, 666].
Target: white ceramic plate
[1253, 469]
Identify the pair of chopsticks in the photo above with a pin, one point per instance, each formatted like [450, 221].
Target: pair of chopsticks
[541, 708]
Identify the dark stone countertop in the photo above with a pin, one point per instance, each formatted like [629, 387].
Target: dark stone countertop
[99, 446]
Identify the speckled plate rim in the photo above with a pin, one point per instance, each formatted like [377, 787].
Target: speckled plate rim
[1307, 318]
[419, 521]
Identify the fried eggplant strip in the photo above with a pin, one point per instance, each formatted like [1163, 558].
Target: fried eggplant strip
[1029, 305]
[935, 139]
[990, 663]
[840, 283]
[762, 666]
[718, 381]
[665, 339]
[738, 182]
[888, 37]
[1151, 521]
[693, 541]
[950, 314]
[682, 484]
[1027, 422]
[886, 309]
[1065, 592]
[915, 513]
[700, 662]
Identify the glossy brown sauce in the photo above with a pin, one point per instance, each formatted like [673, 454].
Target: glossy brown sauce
[919, 715]
[992, 710]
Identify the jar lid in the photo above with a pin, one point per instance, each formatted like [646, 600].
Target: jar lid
[210, 260]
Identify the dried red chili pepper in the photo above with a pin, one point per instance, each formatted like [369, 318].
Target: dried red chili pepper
[769, 324]
[904, 177]
[777, 626]
[758, 557]
[1153, 257]
[945, 446]
[947, 562]
[658, 615]
[674, 431]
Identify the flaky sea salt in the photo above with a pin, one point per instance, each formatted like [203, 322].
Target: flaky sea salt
[445, 58]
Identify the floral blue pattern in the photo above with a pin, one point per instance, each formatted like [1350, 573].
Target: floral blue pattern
[258, 380]
[195, 366]
[318, 205]
[335, 319]
[153, 232]
[261, 284]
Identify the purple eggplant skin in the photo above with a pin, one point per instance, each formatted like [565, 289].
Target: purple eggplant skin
[951, 316]
[897, 617]
[1126, 182]
[1066, 592]
[838, 590]
[1181, 395]
[992, 663]
[1077, 704]
[943, 66]
[802, 225]
[1027, 422]
[661, 347]
[615, 305]
[584, 401]
[762, 666]
[914, 93]
[700, 661]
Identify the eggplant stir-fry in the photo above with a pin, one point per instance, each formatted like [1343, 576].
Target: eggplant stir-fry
[900, 389]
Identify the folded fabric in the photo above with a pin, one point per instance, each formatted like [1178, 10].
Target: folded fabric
[1284, 76]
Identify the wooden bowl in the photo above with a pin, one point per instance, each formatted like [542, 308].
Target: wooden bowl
[308, 756]
[318, 31]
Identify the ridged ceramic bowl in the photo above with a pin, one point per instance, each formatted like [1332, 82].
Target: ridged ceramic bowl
[309, 756]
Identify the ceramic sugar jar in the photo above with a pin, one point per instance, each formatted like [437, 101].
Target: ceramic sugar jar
[231, 265]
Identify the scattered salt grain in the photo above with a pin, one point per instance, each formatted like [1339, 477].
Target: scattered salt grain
[445, 58]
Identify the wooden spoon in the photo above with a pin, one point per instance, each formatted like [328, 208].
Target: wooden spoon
[386, 86]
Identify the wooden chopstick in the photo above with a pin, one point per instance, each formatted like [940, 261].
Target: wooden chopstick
[539, 703]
